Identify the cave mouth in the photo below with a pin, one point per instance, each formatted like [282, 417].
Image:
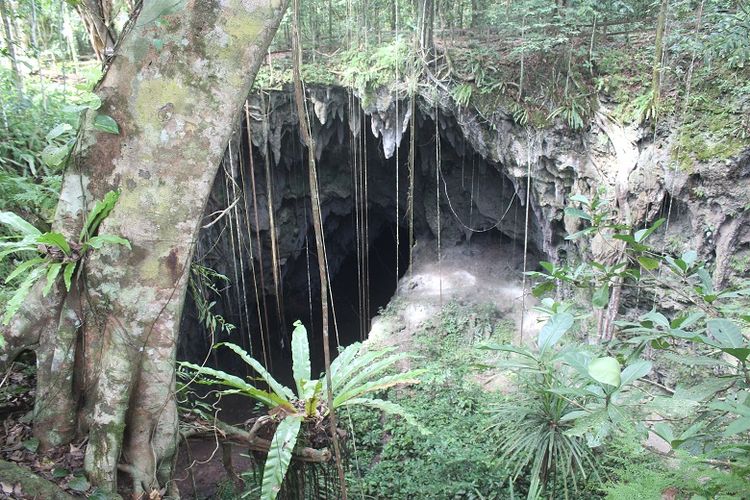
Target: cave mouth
[260, 208]
[352, 309]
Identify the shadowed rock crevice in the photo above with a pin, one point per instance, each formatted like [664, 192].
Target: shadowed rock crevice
[356, 153]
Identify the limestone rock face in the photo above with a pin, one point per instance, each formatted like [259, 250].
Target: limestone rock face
[487, 165]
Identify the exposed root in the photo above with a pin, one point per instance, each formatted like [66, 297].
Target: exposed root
[252, 440]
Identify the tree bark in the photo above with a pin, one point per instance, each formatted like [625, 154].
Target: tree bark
[425, 24]
[106, 355]
[97, 19]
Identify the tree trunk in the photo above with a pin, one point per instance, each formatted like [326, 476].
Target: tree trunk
[425, 24]
[97, 19]
[106, 350]
[661, 24]
[17, 79]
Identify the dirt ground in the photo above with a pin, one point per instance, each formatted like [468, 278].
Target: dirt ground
[486, 270]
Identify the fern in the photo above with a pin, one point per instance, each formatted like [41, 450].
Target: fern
[355, 373]
[462, 94]
[54, 254]
[279, 456]
[574, 112]
[519, 114]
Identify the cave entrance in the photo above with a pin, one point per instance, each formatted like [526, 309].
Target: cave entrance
[258, 229]
[358, 292]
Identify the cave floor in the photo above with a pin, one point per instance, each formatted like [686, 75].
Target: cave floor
[484, 271]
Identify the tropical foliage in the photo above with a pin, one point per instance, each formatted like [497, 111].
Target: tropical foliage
[356, 374]
[54, 255]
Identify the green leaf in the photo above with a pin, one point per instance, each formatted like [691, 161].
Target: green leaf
[31, 444]
[16, 223]
[100, 212]
[370, 369]
[641, 235]
[689, 257]
[79, 483]
[283, 392]
[222, 378]
[490, 346]
[605, 371]
[725, 332]
[342, 363]
[577, 212]
[664, 431]
[600, 299]
[648, 263]
[279, 456]
[634, 371]
[60, 472]
[355, 367]
[407, 378]
[23, 267]
[542, 288]
[557, 325]
[301, 359]
[106, 123]
[740, 425]
[580, 199]
[391, 409]
[55, 240]
[59, 130]
[68, 274]
[99, 494]
[17, 248]
[53, 270]
[54, 156]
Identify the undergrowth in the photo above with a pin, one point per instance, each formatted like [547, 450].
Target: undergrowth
[389, 459]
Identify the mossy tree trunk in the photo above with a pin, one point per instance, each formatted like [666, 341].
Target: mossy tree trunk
[106, 350]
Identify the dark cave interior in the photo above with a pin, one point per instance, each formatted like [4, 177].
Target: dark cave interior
[471, 192]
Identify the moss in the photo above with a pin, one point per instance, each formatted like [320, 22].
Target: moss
[31, 484]
[707, 135]
[155, 95]
[245, 27]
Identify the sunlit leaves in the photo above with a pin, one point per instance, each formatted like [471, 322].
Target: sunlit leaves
[605, 370]
[554, 329]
